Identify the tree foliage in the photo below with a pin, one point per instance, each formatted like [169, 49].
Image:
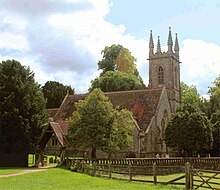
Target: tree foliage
[22, 107]
[54, 92]
[118, 58]
[117, 81]
[125, 62]
[213, 104]
[121, 135]
[215, 96]
[190, 95]
[97, 125]
[189, 130]
[119, 71]
[215, 120]
[216, 88]
[109, 56]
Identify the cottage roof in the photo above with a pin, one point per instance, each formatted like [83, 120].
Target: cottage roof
[58, 132]
[52, 128]
[142, 103]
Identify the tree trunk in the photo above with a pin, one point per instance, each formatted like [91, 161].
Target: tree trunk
[93, 153]
[109, 155]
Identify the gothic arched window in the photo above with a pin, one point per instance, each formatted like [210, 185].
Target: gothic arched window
[160, 75]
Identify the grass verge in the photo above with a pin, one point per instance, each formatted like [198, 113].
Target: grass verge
[57, 178]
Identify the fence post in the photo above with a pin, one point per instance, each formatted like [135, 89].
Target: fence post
[109, 171]
[192, 178]
[155, 173]
[94, 169]
[129, 172]
[83, 166]
[188, 174]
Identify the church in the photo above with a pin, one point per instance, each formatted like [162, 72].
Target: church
[151, 108]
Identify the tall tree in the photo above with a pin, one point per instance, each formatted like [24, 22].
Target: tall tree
[117, 81]
[110, 54]
[121, 136]
[125, 62]
[118, 58]
[119, 71]
[215, 120]
[215, 96]
[213, 104]
[190, 95]
[189, 130]
[22, 108]
[216, 87]
[95, 124]
[54, 92]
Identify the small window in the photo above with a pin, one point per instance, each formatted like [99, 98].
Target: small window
[160, 75]
[54, 142]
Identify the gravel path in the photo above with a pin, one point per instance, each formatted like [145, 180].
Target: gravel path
[26, 171]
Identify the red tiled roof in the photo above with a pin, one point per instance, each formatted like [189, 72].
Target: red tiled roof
[142, 103]
[58, 132]
[64, 127]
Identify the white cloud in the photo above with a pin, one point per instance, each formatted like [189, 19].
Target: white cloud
[201, 63]
[40, 8]
[60, 44]
[62, 40]
[16, 42]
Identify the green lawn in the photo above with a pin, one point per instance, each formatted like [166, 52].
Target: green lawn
[162, 178]
[64, 179]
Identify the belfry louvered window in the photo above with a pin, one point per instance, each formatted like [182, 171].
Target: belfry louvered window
[160, 75]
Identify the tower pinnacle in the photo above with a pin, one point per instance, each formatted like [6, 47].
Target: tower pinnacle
[176, 47]
[170, 42]
[151, 44]
[158, 45]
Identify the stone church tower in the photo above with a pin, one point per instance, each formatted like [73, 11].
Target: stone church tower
[164, 69]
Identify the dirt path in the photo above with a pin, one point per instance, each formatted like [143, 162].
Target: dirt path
[26, 171]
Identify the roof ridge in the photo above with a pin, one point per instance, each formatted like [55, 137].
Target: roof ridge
[126, 91]
[52, 108]
[121, 91]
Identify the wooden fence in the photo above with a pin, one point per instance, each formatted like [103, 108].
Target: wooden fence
[145, 170]
[204, 163]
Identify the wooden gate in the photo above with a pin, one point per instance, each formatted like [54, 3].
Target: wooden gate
[206, 179]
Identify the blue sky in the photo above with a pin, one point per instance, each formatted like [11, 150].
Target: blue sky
[197, 19]
[63, 40]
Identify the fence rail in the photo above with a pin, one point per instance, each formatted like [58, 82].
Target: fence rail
[129, 171]
[145, 170]
[214, 161]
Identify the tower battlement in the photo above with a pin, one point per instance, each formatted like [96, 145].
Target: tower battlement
[174, 52]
